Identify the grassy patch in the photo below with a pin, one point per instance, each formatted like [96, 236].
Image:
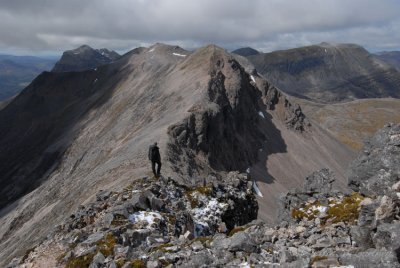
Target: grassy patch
[137, 263]
[119, 220]
[346, 210]
[80, 262]
[120, 262]
[191, 194]
[306, 211]
[318, 258]
[106, 245]
[162, 248]
[237, 230]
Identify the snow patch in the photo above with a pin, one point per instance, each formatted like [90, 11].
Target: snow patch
[248, 170]
[261, 114]
[144, 216]
[252, 78]
[210, 213]
[179, 55]
[151, 50]
[257, 190]
[320, 209]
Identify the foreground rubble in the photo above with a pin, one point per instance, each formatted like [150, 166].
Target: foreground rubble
[152, 221]
[159, 223]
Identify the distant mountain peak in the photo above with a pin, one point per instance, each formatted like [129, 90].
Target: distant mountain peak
[84, 58]
[246, 51]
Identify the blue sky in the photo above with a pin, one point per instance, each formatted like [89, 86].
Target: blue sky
[45, 27]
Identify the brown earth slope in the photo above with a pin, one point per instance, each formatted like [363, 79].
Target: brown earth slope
[70, 134]
[353, 122]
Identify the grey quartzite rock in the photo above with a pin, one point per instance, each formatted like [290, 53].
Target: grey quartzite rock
[377, 169]
[320, 181]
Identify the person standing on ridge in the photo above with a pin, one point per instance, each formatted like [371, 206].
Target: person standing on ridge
[155, 158]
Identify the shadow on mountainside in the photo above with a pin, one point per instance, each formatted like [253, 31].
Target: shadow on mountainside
[38, 126]
[273, 144]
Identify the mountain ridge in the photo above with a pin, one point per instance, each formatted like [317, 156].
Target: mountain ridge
[329, 72]
[390, 57]
[95, 127]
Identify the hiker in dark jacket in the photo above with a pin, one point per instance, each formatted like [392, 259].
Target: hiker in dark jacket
[155, 158]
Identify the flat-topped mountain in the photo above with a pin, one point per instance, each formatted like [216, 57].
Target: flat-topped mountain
[84, 58]
[70, 134]
[246, 51]
[329, 73]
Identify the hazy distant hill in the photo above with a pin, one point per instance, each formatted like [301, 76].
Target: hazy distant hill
[390, 57]
[16, 72]
[84, 58]
[246, 51]
[329, 72]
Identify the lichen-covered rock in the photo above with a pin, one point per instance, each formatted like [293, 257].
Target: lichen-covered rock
[242, 242]
[317, 186]
[319, 182]
[370, 258]
[387, 237]
[377, 168]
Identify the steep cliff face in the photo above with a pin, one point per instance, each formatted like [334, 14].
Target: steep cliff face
[329, 73]
[224, 129]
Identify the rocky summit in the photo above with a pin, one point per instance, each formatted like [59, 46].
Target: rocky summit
[84, 58]
[160, 223]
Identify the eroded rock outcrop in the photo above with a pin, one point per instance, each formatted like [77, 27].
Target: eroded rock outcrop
[223, 132]
[290, 113]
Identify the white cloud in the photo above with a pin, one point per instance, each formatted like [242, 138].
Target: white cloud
[124, 24]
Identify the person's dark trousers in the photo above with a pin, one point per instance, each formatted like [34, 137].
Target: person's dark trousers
[153, 167]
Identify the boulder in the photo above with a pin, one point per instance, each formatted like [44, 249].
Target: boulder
[387, 237]
[319, 182]
[242, 242]
[370, 258]
[377, 168]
